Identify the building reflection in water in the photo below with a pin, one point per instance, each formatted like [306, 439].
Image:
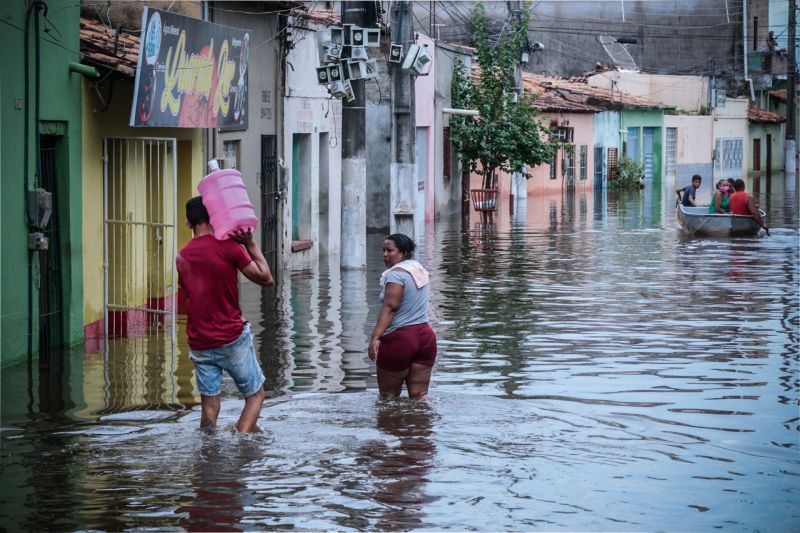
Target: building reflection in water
[400, 470]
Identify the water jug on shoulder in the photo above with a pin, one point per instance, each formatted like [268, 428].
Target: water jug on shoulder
[225, 197]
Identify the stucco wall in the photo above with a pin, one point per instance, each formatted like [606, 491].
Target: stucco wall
[60, 97]
[113, 122]
[583, 135]
[688, 93]
[760, 131]
[693, 151]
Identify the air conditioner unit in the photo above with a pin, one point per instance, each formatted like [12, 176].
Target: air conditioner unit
[335, 73]
[359, 52]
[337, 35]
[333, 53]
[422, 63]
[357, 36]
[395, 53]
[411, 55]
[323, 76]
[357, 70]
[337, 90]
[371, 67]
[342, 90]
[373, 37]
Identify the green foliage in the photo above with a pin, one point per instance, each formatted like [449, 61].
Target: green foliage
[629, 174]
[507, 135]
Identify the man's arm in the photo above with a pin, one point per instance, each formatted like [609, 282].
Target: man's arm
[257, 270]
[753, 207]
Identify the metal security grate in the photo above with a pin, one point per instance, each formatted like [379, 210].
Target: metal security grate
[140, 237]
[51, 294]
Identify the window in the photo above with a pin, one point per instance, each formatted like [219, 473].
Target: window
[583, 161]
[569, 163]
[230, 151]
[632, 145]
[564, 134]
[612, 164]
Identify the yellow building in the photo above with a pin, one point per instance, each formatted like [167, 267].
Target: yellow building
[135, 183]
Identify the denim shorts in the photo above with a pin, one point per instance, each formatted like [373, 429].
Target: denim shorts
[238, 358]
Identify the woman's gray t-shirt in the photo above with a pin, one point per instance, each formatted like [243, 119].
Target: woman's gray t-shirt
[414, 306]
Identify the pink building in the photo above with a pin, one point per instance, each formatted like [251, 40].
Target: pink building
[572, 166]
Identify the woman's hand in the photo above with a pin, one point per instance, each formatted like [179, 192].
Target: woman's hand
[374, 345]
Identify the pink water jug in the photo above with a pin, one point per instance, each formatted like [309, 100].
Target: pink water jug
[225, 197]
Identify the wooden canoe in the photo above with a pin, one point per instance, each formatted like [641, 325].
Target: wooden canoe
[698, 221]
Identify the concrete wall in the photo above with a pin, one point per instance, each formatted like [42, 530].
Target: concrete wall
[672, 36]
[60, 109]
[309, 110]
[687, 93]
[447, 194]
[263, 103]
[424, 91]
[379, 157]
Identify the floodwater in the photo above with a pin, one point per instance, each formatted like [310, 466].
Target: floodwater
[598, 370]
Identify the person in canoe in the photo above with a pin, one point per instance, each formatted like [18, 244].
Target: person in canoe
[742, 203]
[720, 202]
[686, 195]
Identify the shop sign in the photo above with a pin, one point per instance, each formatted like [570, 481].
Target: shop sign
[190, 73]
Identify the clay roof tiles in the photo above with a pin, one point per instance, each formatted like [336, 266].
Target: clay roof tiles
[103, 46]
[762, 116]
[553, 103]
[577, 90]
[779, 94]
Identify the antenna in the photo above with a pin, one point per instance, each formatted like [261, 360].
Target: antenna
[617, 52]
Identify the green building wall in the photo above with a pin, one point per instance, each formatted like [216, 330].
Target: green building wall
[647, 118]
[60, 116]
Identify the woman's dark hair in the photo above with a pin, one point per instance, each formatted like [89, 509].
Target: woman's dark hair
[404, 243]
[196, 212]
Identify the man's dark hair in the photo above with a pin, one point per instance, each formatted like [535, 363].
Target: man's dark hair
[697, 177]
[404, 243]
[196, 212]
[738, 185]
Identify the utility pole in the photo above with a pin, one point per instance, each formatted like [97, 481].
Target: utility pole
[402, 172]
[519, 183]
[790, 146]
[354, 162]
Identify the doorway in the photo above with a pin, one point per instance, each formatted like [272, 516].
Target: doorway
[756, 155]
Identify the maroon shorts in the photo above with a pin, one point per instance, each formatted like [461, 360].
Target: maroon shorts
[406, 345]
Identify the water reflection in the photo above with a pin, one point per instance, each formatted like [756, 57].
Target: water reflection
[598, 369]
[400, 467]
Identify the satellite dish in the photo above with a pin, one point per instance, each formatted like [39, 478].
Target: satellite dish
[617, 52]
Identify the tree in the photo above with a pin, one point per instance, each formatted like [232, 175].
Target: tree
[507, 135]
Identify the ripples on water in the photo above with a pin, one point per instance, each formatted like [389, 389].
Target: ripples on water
[598, 370]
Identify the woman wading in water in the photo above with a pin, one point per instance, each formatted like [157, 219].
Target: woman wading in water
[403, 345]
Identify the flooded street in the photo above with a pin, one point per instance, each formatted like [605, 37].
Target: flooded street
[598, 370]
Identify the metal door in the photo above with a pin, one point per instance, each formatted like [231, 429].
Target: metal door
[756, 155]
[270, 201]
[647, 153]
[672, 155]
[139, 237]
[51, 296]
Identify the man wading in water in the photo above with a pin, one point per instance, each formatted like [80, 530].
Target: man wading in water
[218, 337]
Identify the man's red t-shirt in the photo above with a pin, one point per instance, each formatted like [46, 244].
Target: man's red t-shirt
[738, 203]
[208, 274]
